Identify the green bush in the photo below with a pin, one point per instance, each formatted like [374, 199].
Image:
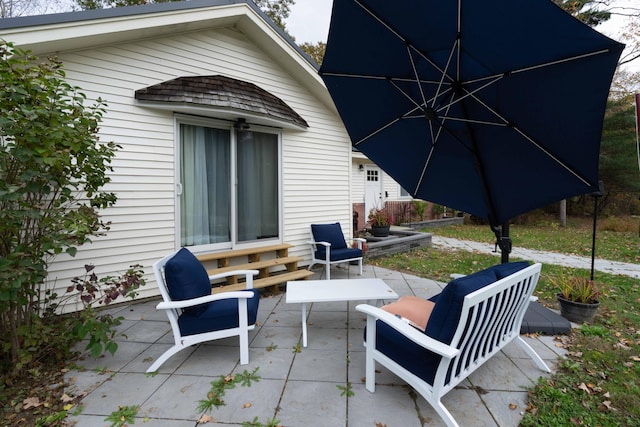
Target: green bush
[52, 170]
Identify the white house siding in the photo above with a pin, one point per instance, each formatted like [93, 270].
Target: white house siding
[316, 162]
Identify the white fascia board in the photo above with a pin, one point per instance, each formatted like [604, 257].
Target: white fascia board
[50, 39]
[69, 36]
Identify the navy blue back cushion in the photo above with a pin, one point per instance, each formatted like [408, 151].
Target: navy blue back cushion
[444, 318]
[331, 233]
[507, 269]
[186, 277]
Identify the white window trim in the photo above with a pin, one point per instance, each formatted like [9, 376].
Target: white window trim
[223, 124]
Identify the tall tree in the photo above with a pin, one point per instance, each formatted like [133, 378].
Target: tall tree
[314, 50]
[587, 11]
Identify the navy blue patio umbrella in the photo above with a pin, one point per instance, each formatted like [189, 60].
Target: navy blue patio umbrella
[491, 107]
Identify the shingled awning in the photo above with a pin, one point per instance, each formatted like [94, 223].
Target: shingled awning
[223, 97]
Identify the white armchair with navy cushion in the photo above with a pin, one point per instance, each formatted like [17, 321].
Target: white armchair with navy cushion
[194, 313]
[328, 246]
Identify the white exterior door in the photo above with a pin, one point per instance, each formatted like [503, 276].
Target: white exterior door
[373, 194]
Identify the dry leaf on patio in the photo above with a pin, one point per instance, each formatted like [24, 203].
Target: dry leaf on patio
[31, 402]
[205, 419]
[246, 405]
[66, 398]
[513, 406]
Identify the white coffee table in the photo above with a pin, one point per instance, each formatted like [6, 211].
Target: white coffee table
[310, 291]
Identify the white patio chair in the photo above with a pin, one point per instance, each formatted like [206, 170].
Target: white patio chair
[194, 313]
[328, 246]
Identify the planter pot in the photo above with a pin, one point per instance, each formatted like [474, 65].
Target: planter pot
[380, 230]
[577, 312]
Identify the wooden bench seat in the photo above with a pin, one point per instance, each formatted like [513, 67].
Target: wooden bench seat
[273, 262]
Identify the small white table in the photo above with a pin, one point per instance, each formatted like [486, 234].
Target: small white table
[310, 291]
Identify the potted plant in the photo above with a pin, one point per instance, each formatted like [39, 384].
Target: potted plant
[578, 298]
[380, 222]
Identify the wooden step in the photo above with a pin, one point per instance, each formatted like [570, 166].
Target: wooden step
[258, 265]
[280, 249]
[273, 280]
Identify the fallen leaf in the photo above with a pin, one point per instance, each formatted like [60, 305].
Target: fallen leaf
[513, 406]
[584, 387]
[205, 419]
[31, 402]
[247, 405]
[66, 398]
[607, 404]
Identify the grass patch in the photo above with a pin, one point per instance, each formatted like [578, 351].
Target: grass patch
[612, 245]
[598, 384]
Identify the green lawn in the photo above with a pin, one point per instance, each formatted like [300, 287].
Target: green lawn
[598, 384]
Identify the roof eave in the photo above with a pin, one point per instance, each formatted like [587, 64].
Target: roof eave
[61, 35]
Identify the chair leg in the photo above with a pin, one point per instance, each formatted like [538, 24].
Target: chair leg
[370, 362]
[164, 357]
[328, 271]
[244, 347]
[532, 354]
[360, 266]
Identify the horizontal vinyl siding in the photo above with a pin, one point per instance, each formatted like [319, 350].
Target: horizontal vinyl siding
[315, 162]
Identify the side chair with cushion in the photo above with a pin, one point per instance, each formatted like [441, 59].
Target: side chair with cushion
[328, 246]
[472, 319]
[194, 313]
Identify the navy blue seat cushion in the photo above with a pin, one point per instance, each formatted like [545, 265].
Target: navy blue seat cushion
[218, 315]
[446, 313]
[186, 277]
[340, 254]
[330, 233]
[411, 356]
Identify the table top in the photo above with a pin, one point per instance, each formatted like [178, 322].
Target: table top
[299, 291]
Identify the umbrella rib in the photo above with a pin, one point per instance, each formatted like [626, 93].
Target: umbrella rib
[377, 131]
[551, 155]
[560, 61]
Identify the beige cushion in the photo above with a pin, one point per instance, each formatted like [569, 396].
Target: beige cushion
[413, 309]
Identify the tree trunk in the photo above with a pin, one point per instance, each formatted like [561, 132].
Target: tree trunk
[563, 213]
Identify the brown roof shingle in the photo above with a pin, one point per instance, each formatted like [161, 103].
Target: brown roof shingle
[221, 92]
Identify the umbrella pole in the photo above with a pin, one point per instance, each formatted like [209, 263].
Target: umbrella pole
[505, 243]
[595, 195]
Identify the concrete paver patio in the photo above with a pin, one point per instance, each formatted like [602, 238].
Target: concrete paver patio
[304, 388]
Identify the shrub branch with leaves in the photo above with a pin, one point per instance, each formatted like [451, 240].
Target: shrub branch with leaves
[52, 171]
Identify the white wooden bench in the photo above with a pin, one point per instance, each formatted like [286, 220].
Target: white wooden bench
[473, 318]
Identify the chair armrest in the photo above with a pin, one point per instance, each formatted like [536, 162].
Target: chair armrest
[327, 244]
[360, 239]
[409, 331]
[247, 273]
[166, 305]
[234, 273]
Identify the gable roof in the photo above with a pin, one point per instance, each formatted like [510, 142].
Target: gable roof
[220, 92]
[60, 32]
